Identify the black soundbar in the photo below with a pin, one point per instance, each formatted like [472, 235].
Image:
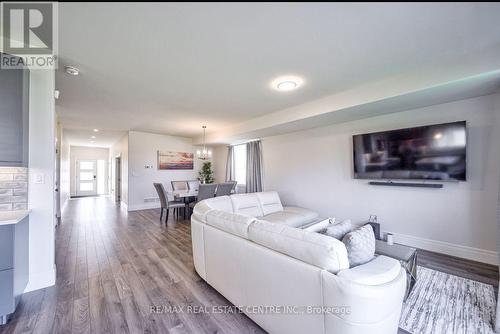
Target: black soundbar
[406, 184]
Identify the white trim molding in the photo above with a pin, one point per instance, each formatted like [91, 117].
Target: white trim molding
[41, 280]
[124, 206]
[465, 252]
[145, 206]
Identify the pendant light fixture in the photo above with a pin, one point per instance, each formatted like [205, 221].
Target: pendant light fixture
[204, 153]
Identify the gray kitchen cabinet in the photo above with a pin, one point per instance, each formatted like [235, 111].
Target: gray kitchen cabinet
[14, 111]
[14, 261]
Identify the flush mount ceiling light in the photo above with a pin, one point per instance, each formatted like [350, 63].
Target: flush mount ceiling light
[287, 83]
[71, 70]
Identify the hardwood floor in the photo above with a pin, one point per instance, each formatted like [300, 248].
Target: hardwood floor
[113, 266]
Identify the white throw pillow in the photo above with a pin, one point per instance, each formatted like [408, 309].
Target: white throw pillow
[338, 231]
[360, 245]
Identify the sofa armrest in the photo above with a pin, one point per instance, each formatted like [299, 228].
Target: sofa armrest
[379, 270]
[367, 304]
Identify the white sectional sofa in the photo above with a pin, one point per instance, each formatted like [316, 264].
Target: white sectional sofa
[267, 205]
[289, 280]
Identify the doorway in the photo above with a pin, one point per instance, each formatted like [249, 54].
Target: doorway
[118, 179]
[86, 177]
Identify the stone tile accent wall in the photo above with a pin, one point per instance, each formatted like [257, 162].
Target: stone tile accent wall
[13, 188]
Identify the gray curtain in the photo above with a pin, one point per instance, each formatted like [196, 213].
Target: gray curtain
[254, 167]
[230, 174]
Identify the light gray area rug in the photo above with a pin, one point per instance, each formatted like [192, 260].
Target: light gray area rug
[445, 304]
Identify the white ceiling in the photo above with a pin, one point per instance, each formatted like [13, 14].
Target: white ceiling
[83, 137]
[172, 67]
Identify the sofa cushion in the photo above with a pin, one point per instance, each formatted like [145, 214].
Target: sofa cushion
[319, 225]
[339, 230]
[360, 245]
[247, 204]
[230, 222]
[286, 218]
[307, 214]
[380, 270]
[292, 216]
[222, 203]
[313, 248]
[270, 202]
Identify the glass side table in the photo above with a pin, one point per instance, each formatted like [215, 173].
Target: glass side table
[317, 225]
[406, 255]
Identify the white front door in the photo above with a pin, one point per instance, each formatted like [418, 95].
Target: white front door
[86, 177]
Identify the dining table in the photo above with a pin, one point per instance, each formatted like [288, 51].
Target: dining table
[184, 195]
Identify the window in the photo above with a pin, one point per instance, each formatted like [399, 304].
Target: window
[240, 163]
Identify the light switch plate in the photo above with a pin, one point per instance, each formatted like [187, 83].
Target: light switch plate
[39, 178]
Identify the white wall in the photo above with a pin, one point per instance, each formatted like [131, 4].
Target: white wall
[120, 149]
[88, 153]
[219, 163]
[65, 170]
[143, 151]
[313, 169]
[57, 177]
[497, 323]
[41, 195]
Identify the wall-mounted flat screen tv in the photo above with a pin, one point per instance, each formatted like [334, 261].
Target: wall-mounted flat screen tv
[434, 152]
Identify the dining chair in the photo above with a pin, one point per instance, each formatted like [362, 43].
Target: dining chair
[205, 191]
[234, 183]
[193, 184]
[165, 203]
[224, 189]
[179, 185]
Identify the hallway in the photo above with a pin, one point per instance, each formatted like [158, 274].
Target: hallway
[112, 266]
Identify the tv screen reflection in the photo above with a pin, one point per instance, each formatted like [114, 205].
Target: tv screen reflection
[435, 152]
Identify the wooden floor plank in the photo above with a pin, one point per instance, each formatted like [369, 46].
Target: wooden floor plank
[81, 318]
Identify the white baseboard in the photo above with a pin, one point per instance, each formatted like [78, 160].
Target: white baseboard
[124, 205]
[41, 280]
[63, 207]
[465, 252]
[144, 206]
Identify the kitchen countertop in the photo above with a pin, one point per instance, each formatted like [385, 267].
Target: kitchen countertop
[12, 217]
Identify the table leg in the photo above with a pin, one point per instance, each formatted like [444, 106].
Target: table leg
[411, 274]
[414, 270]
[185, 205]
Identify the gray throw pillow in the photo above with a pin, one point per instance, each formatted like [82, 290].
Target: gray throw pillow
[338, 231]
[360, 245]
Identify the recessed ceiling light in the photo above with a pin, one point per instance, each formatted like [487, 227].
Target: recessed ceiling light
[96, 130]
[71, 70]
[287, 83]
[93, 137]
